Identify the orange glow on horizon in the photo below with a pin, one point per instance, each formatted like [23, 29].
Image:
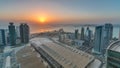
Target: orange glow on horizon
[42, 19]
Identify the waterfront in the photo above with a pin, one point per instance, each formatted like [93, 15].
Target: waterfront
[67, 28]
[71, 28]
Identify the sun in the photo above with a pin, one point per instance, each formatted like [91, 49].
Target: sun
[42, 19]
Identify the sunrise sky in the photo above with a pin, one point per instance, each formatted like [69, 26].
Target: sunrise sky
[60, 11]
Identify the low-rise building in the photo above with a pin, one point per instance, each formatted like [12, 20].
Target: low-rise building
[78, 42]
[66, 56]
[113, 55]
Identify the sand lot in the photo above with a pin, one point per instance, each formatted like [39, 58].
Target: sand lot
[28, 58]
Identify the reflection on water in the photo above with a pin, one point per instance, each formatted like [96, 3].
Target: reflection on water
[70, 29]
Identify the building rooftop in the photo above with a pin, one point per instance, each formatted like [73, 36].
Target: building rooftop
[67, 58]
[115, 46]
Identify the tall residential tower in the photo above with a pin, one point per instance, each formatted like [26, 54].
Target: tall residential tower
[98, 38]
[3, 37]
[103, 35]
[24, 33]
[76, 34]
[12, 34]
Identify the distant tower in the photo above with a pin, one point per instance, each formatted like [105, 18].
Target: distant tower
[12, 34]
[24, 33]
[87, 33]
[82, 33]
[88, 36]
[61, 31]
[76, 34]
[119, 33]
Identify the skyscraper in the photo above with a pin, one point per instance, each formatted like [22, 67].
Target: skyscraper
[12, 34]
[3, 37]
[82, 33]
[88, 35]
[76, 34]
[24, 33]
[103, 35]
[109, 30]
[106, 36]
[97, 41]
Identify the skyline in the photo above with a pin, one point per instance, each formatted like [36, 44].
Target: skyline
[59, 33]
[60, 12]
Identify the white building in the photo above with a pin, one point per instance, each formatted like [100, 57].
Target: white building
[78, 42]
[8, 62]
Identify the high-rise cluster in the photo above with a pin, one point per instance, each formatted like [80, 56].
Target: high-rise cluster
[103, 35]
[14, 34]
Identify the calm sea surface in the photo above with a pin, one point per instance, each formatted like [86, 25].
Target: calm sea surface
[72, 28]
